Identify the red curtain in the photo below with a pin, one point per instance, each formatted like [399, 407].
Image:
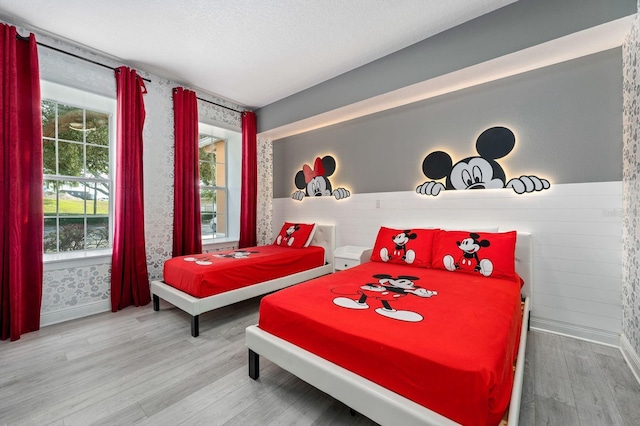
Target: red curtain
[187, 233]
[21, 191]
[129, 277]
[249, 191]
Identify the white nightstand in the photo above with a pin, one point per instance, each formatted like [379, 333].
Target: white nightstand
[349, 256]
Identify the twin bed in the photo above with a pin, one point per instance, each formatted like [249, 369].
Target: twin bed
[441, 324]
[201, 283]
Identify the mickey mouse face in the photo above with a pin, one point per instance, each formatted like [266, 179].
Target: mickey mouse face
[293, 228]
[476, 173]
[469, 246]
[402, 281]
[472, 244]
[403, 238]
[373, 287]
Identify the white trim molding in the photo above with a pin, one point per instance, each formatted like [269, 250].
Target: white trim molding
[575, 331]
[630, 356]
[75, 312]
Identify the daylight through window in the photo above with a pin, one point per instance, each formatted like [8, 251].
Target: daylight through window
[213, 182]
[78, 139]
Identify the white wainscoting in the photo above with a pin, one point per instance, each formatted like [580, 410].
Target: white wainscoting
[74, 312]
[576, 231]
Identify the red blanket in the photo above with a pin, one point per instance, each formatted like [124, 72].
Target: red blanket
[444, 340]
[207, 274]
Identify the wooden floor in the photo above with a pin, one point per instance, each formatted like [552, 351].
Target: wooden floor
[143, 367]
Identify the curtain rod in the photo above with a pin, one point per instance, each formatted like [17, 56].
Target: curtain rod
[114, 69]
[221, 106]
[74, 55]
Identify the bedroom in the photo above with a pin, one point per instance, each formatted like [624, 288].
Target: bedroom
[592, 197]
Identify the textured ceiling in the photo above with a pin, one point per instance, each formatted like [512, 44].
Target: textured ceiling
[253, 52]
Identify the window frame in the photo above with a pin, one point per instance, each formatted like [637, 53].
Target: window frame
[213, 131]
[85, 100]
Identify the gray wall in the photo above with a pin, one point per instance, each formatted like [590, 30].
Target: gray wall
[514, 27]
[567, 119]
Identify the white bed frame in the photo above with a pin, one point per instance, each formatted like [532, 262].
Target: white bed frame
[372, 400]
[324, 236]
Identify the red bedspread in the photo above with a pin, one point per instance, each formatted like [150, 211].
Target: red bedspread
[452, 352]
[207, 274]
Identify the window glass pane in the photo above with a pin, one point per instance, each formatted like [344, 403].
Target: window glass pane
[97, 198]
[50, 235]
[71, 196]
[70, 159]
[97, 161]
[97, 232]
[50, 199]
[218, 162]
[97, 128]
[207, 212]
[205, 148]
[207, 177]
[206, 156]
[48, 119]
[49, 154]
[219, 174]
[71, 235]
[220, 209]
[70, 123]
[208, 225]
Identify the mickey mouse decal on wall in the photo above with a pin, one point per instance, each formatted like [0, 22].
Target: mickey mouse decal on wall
[478, 172]
[314, 182]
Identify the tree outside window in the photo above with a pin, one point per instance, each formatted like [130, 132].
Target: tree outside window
[77, 144]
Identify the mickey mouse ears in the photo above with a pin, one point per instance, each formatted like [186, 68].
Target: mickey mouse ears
[495, 142]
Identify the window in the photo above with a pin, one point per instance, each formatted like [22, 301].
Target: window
[78, 130]
[212, 155]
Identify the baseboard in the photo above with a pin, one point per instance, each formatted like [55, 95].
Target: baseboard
[579, 332]
[631, 356]
[75, 312]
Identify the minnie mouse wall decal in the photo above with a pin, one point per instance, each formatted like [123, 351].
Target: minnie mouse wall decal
[315, 182]
[478, 172]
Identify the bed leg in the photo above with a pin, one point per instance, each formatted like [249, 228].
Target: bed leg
[195, 325]
[254, 365]
[156, 303]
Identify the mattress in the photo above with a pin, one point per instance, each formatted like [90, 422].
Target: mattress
[208, 274]
[447, 341]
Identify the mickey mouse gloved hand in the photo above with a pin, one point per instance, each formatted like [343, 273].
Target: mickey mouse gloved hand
[423, 292]
[528, 184]
[430, 188]
[341, 193]
[298, 195]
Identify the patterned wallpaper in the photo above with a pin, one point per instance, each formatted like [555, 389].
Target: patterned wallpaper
[265, 190]
[87, 283]
[631, 188]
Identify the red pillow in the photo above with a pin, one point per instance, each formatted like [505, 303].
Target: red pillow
[486, 253]
[294, 235]
[404, 246]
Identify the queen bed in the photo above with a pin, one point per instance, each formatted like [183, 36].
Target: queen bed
[204, 282]
[422, 342]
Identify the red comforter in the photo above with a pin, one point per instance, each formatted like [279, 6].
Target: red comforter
[443, 339]
[203, 275]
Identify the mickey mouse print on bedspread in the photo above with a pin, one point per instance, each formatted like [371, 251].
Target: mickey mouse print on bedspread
[478, 172]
